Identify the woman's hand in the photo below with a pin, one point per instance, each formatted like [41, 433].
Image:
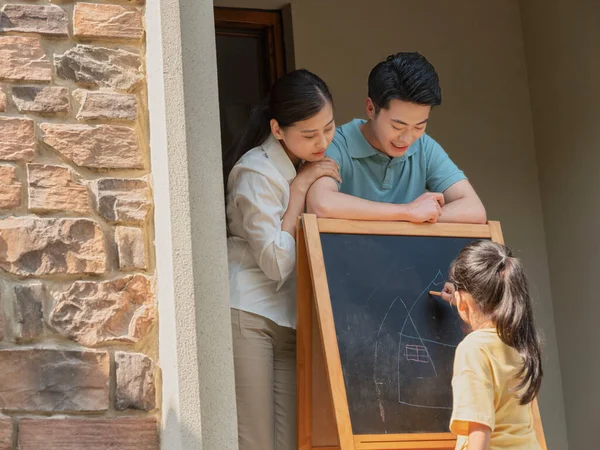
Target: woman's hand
[309, 172]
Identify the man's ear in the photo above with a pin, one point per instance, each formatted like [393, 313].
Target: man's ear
[370, 108]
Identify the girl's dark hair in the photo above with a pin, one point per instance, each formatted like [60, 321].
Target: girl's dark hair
[296, 96]
[497, 282]
[406, 76]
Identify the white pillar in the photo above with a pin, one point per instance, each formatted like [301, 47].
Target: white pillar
[198, 393]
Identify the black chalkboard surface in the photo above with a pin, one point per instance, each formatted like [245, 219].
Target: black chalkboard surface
[396, 342]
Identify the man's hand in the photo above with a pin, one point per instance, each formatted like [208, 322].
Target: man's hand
[426, 208]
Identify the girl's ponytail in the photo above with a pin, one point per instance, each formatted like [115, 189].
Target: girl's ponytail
[497, 282]
[515, 325]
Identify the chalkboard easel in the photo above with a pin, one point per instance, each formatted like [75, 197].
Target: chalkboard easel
[326, 421]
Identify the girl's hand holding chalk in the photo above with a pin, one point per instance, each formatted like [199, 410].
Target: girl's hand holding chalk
[446, 294]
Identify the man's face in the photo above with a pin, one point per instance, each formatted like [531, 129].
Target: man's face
[398, 126]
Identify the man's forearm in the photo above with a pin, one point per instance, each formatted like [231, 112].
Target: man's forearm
[463, 210]
[336, 205]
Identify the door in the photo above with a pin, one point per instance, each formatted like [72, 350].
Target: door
[250, 57]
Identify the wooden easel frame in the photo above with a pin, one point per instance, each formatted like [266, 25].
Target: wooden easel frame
[321, 389]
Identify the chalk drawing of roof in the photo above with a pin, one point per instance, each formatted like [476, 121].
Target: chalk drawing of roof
[418, 349]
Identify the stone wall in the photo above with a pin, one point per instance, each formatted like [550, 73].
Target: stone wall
[77, 290]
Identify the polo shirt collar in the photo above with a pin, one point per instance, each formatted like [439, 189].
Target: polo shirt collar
[360, 147]
[274, 150]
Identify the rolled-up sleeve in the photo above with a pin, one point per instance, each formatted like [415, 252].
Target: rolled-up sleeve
[334, 152]
[441, 171]
[260, 204]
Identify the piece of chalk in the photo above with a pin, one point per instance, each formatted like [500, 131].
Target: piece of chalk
[438, 294]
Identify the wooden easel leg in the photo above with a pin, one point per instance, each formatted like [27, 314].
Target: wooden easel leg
[304, 295]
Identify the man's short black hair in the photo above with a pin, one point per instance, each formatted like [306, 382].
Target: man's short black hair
[406, 76]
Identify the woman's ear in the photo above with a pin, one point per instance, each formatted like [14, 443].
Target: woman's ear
[276, 129]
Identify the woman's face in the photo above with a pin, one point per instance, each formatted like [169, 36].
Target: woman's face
[308, 139]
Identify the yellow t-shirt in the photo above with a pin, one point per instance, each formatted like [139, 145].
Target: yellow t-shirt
[484, 372]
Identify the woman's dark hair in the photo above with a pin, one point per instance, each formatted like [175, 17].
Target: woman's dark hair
[497, 282]
[406, 76]
[296, 96]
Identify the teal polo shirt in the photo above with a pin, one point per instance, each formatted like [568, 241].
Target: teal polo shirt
[372, 175]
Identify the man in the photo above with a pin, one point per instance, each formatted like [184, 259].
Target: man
[391, 169]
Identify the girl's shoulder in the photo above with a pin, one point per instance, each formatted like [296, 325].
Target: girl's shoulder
[483, 335]
[486, 344]
[479, 341]
[474, 354]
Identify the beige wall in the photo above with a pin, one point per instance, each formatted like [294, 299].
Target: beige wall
[484, 123]
[563, 47]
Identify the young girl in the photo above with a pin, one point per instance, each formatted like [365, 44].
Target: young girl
[497, 367]
[277, 159]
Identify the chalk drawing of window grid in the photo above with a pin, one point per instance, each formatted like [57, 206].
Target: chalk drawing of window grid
[416, 353]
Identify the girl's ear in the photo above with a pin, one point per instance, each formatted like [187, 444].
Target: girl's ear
[459, 301]
[462, 306]
[276, 129]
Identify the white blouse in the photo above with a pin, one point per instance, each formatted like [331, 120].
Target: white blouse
[262, 257]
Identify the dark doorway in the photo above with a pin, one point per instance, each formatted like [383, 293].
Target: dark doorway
[250, 57]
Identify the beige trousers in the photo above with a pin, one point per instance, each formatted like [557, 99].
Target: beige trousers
[264, 356]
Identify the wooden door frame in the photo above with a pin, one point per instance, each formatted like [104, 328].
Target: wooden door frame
[237, 22]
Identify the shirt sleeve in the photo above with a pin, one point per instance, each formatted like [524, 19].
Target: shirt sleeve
[472, 390]
[260, 203]
[441, 171]
[335, 152]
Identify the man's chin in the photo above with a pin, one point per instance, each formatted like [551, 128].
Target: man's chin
[395, 152]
